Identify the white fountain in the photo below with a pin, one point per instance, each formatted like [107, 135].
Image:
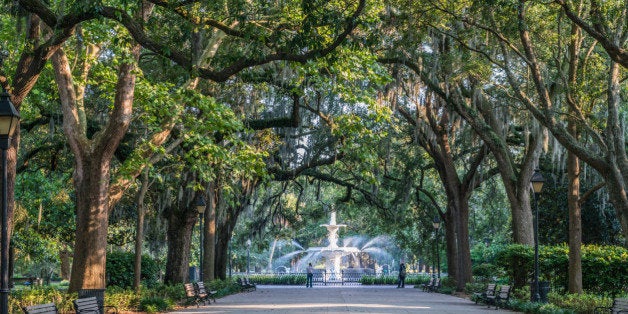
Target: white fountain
[332, 252]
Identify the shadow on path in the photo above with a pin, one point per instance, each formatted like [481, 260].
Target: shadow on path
[346, 299]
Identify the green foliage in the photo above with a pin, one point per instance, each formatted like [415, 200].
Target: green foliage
[161, 298]
[604, 268]
[40, 295]
[484, 272]
[474, 287]
[123, 299]
[155, 305]
[120, 270]
[411, 279]
[286, 279]
[579, 303]
[535, 307]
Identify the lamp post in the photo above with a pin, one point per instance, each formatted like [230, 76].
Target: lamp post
[248, 257]
[200, 208]
[436, 225]
[9, 119]
[537, 181]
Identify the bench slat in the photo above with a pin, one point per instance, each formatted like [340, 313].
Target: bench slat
[48, 308]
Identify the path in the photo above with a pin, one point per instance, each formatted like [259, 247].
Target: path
[347, 299]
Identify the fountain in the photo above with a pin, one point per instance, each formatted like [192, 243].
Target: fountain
[333, 253]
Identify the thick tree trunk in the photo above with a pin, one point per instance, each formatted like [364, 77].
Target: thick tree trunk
[448, 233]
[91, 180]
[180, 226]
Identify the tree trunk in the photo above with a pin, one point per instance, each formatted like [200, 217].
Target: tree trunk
[180, 227]
[64, 257]
[575, 224]
[573, 173]
[139, 229]
[209, 249]
[91, 179]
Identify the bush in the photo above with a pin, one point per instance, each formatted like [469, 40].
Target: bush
[580, 303]
[485, 272]
[41, 295]
[155, 305]
[120, 270]
[604, 268]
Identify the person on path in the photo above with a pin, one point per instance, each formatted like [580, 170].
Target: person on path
[310, 275]
[402, 275]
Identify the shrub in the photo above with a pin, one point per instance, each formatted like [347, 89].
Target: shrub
[604, 268]
[485, 272]
[120, 270]
[474, 287]
[155, 305]
[40, 295]
[580, 303]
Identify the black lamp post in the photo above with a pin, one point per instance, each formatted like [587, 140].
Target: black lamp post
[537, 181]
[200, 208]
[436, 225]
[248, 257]
[9, 119]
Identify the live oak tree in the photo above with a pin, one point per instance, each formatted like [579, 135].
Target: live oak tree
[252, 45]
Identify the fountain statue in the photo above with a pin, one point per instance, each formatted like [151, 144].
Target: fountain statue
[332, 252]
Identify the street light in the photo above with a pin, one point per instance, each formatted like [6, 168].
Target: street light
[436, 225]
[248, 257]
[200, 208]
[9, 119]
[537, 181]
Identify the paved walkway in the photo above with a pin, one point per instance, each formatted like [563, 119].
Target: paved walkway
[346, 299]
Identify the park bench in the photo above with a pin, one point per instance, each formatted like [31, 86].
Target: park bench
[48, 308]
[204, 294]
[426, 286]
[249, 283]
[490, 291]
[500, 298]
[191, 294]
[91, 305]
[620, 305]
[244, 286]
[435, 286]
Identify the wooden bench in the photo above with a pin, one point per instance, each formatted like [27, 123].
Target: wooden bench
[500, 298]
[203, 294]
[249, 283]
[435, 286]
[426, 286]
[620, 305]
[481, 297]
[48, 308]
[244, 286]
[190, 294]
[90, 305]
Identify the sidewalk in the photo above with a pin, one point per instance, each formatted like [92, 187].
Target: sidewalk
[345, 299]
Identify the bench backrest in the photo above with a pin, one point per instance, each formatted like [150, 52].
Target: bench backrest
[490, 289]
[200, 288]
[48, 308]
[86, 305]
[620, 304]
[504, 292]
[189, 290]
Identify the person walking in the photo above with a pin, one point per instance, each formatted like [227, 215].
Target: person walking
[402, 275]
[310, 275]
